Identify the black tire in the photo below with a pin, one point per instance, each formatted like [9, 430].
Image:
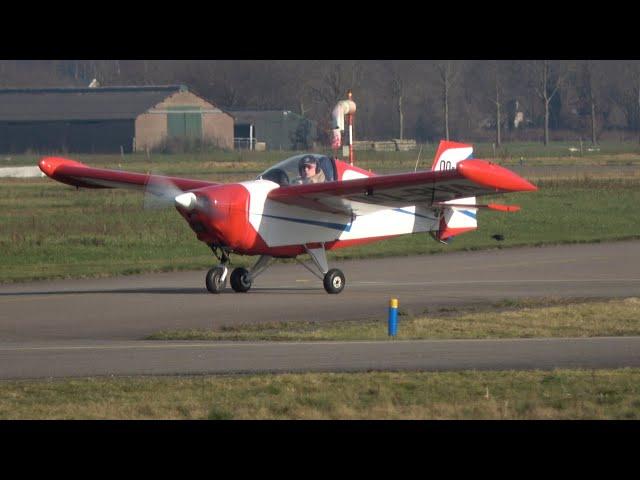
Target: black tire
[334, 281]
[239, 280]
[214, 281]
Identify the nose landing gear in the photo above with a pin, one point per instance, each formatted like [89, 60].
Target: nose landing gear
[216, 278]
[241, 279]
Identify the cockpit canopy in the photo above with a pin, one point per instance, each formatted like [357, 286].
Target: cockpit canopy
[287, 172]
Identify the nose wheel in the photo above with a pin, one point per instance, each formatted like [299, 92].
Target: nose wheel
[216, 279]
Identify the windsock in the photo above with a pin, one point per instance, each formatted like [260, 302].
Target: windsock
[344, 107]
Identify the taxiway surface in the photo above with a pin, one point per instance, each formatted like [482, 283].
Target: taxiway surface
[79, 313]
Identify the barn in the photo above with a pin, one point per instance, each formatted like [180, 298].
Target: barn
[108, 119]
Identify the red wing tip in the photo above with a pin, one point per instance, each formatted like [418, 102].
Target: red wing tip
[503, 208]
[49, 165]
[494, 176]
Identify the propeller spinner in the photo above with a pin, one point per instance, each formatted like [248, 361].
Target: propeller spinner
[188, 201]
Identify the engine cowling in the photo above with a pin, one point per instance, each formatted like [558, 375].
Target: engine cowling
[220, 216]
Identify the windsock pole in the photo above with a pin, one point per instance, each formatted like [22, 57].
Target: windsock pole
[344, 108]
[350, 122]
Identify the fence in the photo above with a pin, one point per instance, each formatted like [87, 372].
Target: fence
[244, 143]
[395, 145]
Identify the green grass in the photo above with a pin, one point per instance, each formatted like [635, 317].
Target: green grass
[562, 211]
[49, 230]
[506, 319]
[558, 394]
[533, 153]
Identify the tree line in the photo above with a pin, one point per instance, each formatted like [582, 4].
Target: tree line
[468, 100]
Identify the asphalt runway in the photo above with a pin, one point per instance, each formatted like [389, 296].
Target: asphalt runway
[76, 359]
[94, 327]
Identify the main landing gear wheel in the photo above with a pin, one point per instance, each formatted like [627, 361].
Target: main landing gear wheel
[216, 279]
[334, 281]
[240, 280]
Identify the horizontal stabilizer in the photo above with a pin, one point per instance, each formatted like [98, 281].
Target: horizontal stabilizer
[490, 206]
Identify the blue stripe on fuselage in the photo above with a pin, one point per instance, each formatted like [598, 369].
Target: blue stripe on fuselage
[335, 226]
[411, 213]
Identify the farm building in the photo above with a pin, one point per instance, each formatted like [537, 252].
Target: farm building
[107, 119]
[277, 129]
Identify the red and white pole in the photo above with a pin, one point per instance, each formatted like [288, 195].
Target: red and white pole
[350, 121]
[344, 108]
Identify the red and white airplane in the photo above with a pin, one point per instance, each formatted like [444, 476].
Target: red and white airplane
[274, 217]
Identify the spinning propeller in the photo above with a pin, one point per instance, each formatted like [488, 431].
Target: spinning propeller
[160, 192]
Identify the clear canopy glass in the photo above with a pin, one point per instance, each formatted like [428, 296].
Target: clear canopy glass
[289, 171]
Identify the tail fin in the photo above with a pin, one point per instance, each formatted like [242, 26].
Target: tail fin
[457, 219]
[449, 154]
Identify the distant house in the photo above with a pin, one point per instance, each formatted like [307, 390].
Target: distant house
[107, 119]
[278, 129]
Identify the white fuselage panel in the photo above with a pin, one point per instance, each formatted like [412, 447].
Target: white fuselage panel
[281, 224]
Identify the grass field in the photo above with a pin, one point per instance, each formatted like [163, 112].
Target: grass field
[506, 319]
[559, 394]
[49, 230]
[533, 152]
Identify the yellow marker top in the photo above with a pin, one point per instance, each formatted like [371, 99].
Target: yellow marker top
[393, 303]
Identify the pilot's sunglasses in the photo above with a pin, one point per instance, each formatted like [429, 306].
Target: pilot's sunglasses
[310, 165]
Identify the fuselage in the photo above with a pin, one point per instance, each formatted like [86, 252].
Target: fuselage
[241, 218]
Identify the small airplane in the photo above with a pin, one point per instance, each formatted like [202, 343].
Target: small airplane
[279, 215]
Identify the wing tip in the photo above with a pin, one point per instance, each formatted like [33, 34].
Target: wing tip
[494, 176]
[49, 165]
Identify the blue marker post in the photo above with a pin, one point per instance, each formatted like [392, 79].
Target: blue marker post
[393, 317]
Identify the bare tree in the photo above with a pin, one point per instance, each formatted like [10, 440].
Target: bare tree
[588, 95]
[390, 100]
[546, 85]
[332, 86]
[448, 75]
[498, 83]
[336, 80]
[399, 73]
[623, 88]
[636, 87]
[633, 92]
[397, 90]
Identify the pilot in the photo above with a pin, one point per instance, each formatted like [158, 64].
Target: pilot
[310, 171]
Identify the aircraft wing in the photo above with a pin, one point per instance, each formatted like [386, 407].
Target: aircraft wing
[79, 175]
[470, 178]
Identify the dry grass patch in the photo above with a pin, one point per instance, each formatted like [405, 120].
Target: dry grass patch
[559, 394]
[506, 319]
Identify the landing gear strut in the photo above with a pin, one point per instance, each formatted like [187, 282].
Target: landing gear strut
[216, 278]
[242, 279]
[333, 280]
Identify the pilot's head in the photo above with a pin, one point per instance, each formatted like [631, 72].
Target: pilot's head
[308, 166]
